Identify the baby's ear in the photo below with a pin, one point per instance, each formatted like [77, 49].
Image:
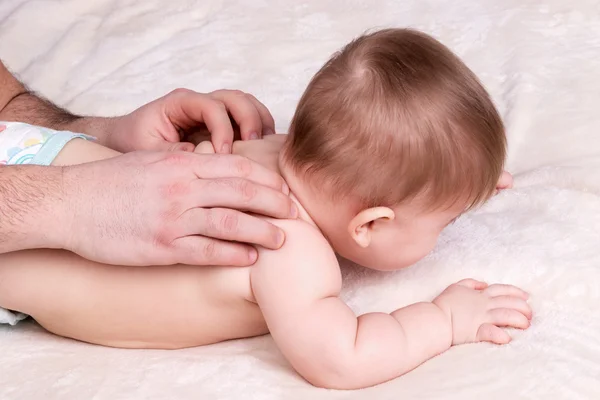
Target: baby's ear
[360, 227]
[505, 181]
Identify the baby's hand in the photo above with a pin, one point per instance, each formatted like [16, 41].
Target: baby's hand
[476, 311]
[505, 182]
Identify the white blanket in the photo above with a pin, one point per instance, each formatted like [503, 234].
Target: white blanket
[540, 61]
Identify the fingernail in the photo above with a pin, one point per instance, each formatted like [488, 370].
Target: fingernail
[280, 238]
[268, 132]
[285, 188]
[253, 254]
[294, 211]
[226, 148]
[253, 136]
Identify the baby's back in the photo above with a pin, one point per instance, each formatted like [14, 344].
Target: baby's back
[136, 307]
[133, 307]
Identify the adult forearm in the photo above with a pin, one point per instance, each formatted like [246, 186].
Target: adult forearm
[18, 103]
[32, 208]
[30, 108]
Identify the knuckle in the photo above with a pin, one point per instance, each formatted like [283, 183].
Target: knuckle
[176, 158]
[229, 222]
[247, 190]
[167, 230]
[251, 97]
[180, 92]
[210, 250]
[210, 220]
[163, 237]
[220, 105]
[171, 212]
[243, 167]
[237, 93]
[174, 190]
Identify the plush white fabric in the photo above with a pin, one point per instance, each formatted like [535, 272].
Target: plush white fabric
[540, 61]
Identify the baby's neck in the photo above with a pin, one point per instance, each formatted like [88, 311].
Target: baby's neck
[267, 152]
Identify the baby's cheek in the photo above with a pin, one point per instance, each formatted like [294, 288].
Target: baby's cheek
[425, 245]
[414, 252]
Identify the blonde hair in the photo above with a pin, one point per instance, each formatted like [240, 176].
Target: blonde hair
[396, 115]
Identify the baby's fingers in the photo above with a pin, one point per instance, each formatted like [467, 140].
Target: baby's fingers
[512, 302]
[472, 284]
[491, 333]
[506, 290]
[508, 317]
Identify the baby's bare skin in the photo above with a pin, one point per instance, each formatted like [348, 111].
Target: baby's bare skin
[141, 307]
[131, 307]
[297, 288]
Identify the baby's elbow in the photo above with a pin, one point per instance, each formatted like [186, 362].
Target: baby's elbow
[332, 381]
[338, 374]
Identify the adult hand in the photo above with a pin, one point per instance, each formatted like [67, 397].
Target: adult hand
[150, 208]
[183, 114]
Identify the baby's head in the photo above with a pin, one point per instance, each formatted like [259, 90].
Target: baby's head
[392, 140]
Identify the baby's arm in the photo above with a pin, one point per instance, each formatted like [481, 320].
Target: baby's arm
[297, 289]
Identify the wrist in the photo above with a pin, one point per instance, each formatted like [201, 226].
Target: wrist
[444, 316]
[101, 128]
[68, 210]
[54, 220]
[32, 209]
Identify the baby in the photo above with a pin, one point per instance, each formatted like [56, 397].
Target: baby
[393, 139]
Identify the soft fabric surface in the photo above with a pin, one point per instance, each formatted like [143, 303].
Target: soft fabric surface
[541, 64]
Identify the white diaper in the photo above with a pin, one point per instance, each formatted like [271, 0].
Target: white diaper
[27, 144]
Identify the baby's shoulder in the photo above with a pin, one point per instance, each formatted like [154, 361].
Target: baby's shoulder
[306, 253]
[301, 236]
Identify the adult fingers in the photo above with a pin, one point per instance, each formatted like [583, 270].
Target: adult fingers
[506, 290]
[232, 166]
[508, 317]
[514, 303]
[472, 284]
[244, 195]
[268, 122]
[199, 250]
[493, 334]
[243, 111]
[187, 109]
[231, 225]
